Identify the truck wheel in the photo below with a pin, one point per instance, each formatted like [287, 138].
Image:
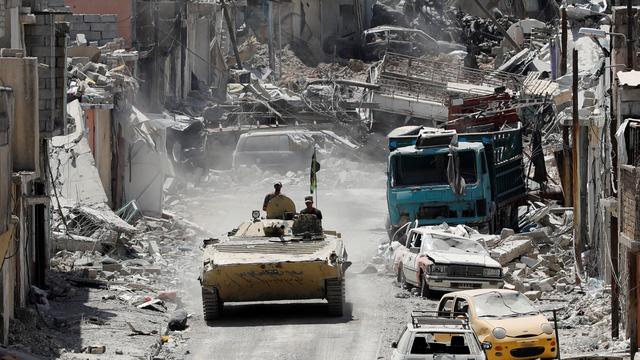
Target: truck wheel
[424, 288]
[335, 296]
[211, 304]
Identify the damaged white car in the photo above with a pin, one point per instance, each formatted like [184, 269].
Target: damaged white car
[437, 259]
[436, 337]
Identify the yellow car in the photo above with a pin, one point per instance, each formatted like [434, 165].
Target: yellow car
[506, 323]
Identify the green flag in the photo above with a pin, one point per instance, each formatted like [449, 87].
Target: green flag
[315, 167]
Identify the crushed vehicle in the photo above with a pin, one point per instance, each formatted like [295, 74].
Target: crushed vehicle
[379, 40]
[430, 336]
[506, 321]
[441, 176]
[285, 256]
[287, 149]
[439, 260]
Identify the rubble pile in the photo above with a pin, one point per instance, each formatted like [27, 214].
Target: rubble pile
[538, 261]
[102, 75]
[136, 275]
[588, 317]
[133, 259]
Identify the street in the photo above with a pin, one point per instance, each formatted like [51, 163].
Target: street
[302, 329]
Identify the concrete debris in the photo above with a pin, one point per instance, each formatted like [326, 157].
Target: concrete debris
[96, 349]
[510, 249]
[178, 321]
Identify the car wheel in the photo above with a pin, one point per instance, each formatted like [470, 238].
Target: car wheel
[424, 288]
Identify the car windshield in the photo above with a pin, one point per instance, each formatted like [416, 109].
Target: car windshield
[434, 242]
[503, 304]
[443, 343]
[414, 170]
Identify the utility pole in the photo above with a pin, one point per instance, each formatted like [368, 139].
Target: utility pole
[566, 156]
[630, 46]
[155, 89]
[563, 44]
[232, 33]
[272, 51]
[577, 206]
[632, 308]
[613, 218]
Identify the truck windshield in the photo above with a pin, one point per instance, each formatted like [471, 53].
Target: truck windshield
[413, 170]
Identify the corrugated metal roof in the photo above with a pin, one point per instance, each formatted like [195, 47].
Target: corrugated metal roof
[629, 78]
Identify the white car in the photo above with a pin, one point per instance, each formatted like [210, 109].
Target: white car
[429, 336]
[437, 259]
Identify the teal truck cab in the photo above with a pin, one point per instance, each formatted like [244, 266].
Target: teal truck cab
[436, 176]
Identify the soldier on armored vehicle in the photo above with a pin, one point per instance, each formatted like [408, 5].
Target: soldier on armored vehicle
[281, 257]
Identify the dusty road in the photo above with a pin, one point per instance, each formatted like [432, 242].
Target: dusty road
[302, 330]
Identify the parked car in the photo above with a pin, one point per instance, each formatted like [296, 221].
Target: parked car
[429, 336]
[506, 323]
[435, 259]
[287, 149]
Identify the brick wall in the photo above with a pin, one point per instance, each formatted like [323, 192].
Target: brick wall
[121, 8]
[95, 27]
[47, 40]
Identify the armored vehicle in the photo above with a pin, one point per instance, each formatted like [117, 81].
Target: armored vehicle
[284, 256]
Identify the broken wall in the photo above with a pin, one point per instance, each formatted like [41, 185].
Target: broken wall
[95, 27]
[99, 136]
[120, 9]
[203, 65]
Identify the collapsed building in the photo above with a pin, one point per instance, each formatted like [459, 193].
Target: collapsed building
[132, 93]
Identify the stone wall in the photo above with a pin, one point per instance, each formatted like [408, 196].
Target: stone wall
[97, 28]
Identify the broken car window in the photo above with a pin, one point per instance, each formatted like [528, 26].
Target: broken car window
[442, 343]
[497, 304]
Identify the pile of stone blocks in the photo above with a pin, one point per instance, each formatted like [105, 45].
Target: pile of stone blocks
[97, 29]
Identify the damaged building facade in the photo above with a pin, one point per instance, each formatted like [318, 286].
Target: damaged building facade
[33, 39]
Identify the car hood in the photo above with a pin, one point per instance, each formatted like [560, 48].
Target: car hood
[463, 258]
[519, 326]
